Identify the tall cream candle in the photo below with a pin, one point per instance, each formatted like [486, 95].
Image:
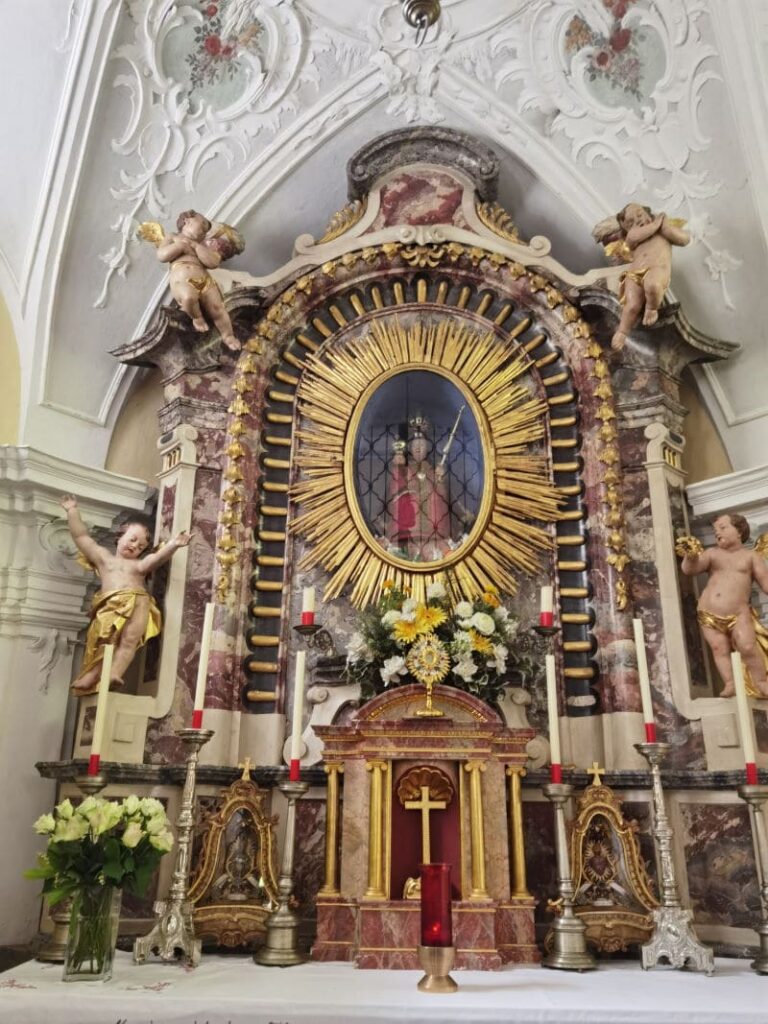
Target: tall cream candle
[308, 607]
[554, 724]
[202, 667]
[101, 709]
[298, 712]
[546, 617]
[744, 715]
[646, 699]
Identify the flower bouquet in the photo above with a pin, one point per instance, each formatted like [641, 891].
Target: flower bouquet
[466, 645]
[95, 850]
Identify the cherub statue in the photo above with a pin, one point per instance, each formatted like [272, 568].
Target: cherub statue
[644, 240]
[122, 612]
[197, 248]
[727, 619]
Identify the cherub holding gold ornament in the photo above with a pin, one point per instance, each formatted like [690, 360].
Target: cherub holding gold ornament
[192, 252]
[644, 240]
[725, 614]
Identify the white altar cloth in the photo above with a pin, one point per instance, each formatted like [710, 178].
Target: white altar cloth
[234, 990]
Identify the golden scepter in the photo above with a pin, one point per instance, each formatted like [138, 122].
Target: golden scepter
[451, 436]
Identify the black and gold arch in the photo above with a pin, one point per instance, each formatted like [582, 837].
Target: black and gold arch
[501, 414]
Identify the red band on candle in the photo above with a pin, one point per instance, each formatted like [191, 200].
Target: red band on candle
[293, 771]
[436, 923]
[307, 618]
[95, 759]
[546, 618]
[555, 773]
[751, 773]
[197, 719]
[650, 732]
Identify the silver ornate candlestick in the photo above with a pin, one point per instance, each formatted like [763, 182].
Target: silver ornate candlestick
[755, 796]
[280, 947]
[673, 937]
[174, 931]
[569, 952]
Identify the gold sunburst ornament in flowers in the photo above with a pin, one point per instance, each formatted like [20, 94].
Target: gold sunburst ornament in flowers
[428, 661]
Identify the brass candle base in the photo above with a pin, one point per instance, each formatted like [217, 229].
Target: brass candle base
[436, 962]
[281, 946]
[755, 796]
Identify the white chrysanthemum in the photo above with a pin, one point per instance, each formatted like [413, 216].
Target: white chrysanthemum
[501, 614]
[462, 643]
[409, 605]
[464, 610]
[499, 662]
[392, 669]
[357, 649]
[436, 592]
[465, 668]
[389, 618]
[483, 623]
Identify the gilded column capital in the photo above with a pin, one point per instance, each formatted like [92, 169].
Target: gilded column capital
[376, 763]
[475, 766]
[331, 767]
[516, 769]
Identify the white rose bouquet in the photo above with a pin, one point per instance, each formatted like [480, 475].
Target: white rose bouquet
[469, 645]
[99, 843]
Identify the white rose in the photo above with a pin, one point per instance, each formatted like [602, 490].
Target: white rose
[436, 592]
[483, 623]
[163, 841]
[105, 817]
[392, 669]
[131, 805]
[464, 610]
[133, 835]
[69, 830]
[150, 807]
[156, 824]
[44, 825]
[65, 809]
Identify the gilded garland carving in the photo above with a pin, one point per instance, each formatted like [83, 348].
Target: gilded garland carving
[497, 220]
[343, 220]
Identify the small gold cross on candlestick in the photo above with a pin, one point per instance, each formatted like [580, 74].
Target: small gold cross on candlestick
[425, 805]
[246, 766]
[596, 771]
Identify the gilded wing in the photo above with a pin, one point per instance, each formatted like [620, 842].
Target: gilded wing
[150, 231]
[761, 545]
[618, 251]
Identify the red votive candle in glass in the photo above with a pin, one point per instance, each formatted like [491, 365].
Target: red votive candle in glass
[436, 926]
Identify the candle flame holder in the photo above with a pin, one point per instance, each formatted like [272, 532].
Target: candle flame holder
[316, 637]
[173, 932]
[280, 947]
[673, 936]
[755, 796]
[569, 952]
[436, 962]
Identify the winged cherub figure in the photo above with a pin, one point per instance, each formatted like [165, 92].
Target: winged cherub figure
[644, 240]
[195, 248]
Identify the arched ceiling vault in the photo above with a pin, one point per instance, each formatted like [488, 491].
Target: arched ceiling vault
[249, 110]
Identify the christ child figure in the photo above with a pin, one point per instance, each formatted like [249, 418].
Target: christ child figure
[726, 616]
[646, 244]
[419, 507]
[191, 255]
[122, 612]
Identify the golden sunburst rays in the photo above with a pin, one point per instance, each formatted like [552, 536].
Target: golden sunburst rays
[519, 497]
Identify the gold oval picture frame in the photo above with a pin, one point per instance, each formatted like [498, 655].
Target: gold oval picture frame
[518, 497]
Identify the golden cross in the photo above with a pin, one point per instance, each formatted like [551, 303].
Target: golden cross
[596, 771]
[425, 805]
[246, 765]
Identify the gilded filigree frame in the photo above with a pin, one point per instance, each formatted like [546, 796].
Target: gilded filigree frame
[519, 497]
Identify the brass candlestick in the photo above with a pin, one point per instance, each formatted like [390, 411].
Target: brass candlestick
[54, 948]
[755, 796]
[280, 947]
[173, 931]
[436, 962]
[569, 952]
[673, 937]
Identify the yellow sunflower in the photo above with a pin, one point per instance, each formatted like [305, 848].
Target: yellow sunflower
[428, 660]
[432, 618]
[491, 599]
[480, 643]
[405, 631]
